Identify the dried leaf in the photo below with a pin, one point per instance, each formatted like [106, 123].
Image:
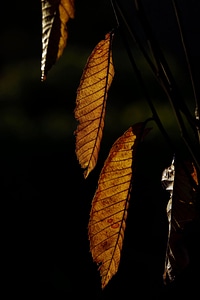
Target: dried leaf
[110, 203]
[91, 103]
[181, 180]
[55, 16]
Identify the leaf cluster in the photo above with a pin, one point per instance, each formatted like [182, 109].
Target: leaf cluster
[110, 203]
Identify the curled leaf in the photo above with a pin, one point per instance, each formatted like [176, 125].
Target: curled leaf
[55, 16]
[91, 103]
[181, 180]
[110, 203]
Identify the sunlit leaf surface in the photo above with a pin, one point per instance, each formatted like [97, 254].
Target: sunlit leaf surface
[110, 203]
[180, 179]
[91, 103]
[55, 16]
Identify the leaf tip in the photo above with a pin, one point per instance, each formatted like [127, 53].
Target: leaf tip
[43, 77]
[86, 173]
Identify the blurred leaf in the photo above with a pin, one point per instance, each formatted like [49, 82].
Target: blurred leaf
[110, 203]
[55, 16]
[91, 103]
[181, 180]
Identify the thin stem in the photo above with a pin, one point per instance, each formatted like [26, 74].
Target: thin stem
[161, 72]
[114, 10]
[188, 60]
[169, 86]
[147, 97]
[163, 75]
[133, 34]
[163, 69]
[140, 78]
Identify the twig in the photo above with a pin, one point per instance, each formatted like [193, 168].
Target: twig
[189, 63]
[156, 118]
[168, 83]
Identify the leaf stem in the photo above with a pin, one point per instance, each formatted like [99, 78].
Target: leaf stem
[163, 75]
[189, 63]
[168, 83]
[146, 95]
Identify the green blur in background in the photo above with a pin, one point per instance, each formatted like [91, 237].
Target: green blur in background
[45, 200]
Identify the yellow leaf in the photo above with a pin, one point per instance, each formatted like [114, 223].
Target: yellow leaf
[110, 203]
[91, 103]
[55, 16]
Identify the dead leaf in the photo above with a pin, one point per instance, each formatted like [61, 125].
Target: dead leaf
[181, 180]
[110, 203]
[55, 16]
[91, 103]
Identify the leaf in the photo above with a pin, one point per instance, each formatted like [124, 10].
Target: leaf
[55, 16]
[181, 180]
[110, 203]
[91, 103]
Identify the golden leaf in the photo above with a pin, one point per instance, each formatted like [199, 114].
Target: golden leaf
[91, 103]
[110, 203]
[55, 16]
[181, 180]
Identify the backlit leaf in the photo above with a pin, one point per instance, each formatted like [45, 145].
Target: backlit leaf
[110, 203]
[181, 180]
[55, 16]
[91, 103]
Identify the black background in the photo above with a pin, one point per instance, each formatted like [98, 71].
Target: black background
[45, 201]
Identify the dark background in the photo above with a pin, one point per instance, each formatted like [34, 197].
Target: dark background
[45, 201]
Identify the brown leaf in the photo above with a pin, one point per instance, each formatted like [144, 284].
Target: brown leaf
[181, 180]
[91, 103]
[110, 203]
[55, 16]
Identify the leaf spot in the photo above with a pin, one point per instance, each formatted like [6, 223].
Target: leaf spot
[115, 225]
[110, 220]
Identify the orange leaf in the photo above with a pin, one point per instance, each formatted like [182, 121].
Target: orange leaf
[55, 16]
[91, 103]
[110, 203]
[181, 180]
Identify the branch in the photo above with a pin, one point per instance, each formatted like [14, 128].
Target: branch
[168, 83]
[118, 14]
[193, 79]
